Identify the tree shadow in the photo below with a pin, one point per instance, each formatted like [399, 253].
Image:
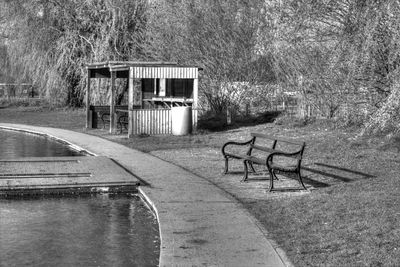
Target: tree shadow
[216, 123]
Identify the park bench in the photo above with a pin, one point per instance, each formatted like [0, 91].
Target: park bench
[277, 154]
[123, 120]
[104, 113]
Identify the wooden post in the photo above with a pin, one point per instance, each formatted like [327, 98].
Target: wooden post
[130, 103]
[228, 115]
[112, 104]
[163, 87]
[137, 95]
[88, 113]
[195, 102]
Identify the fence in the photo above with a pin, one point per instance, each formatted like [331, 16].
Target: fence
[22, 90]
[154, 121]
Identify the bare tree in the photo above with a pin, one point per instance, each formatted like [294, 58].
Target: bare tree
[51, 41]
[220, 36]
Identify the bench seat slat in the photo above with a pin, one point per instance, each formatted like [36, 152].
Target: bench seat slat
[256, 160]
[235, 156]
[247, 157]
[261, 161]
[284, 168]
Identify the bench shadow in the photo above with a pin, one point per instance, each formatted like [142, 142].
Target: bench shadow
[328, 174]
[257, 177]
[366, 175]
[314, 183]
[234, 172]
[263, 176]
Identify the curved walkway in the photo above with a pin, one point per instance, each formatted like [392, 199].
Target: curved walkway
[200, 225]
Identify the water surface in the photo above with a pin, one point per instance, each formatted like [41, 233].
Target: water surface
[99, 230]
[14, 144]
[87, 230]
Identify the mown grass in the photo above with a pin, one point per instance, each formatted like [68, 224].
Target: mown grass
[349, 225]
[351, 215]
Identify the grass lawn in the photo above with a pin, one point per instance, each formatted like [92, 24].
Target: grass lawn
[348, 218]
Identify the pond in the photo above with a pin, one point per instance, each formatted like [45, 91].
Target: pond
[84, 230]
[16, 144]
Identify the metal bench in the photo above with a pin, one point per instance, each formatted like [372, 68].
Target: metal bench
[123, 119]
[252, 152]
[104, 113]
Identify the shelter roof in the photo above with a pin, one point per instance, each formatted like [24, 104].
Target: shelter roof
[152, 69]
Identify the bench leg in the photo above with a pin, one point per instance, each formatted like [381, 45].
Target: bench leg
[275, 177]
[252, 167]
[271, 179]
[226, 165]
[301, 180]
[245, 174]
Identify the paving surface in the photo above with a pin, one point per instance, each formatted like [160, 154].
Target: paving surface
[200, 225]
[48, 173]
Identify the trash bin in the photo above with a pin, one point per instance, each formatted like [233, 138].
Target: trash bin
[181, 120]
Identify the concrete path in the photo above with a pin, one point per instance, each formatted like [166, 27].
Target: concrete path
[200, 225]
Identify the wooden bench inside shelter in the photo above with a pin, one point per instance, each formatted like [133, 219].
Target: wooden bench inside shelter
[279, 155]
[103, 112]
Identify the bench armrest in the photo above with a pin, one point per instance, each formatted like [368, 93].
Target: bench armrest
[123, 117]
[103, 115]
[234, 143]
[297, 155]
[284, 154]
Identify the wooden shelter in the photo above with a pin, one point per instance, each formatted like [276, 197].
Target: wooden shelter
[153, 88]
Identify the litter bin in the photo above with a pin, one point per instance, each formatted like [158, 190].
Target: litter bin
[181, 120]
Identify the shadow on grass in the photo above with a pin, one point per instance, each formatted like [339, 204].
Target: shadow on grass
[235, 172]
[257, 177]
[314, 183]
[346, 176]
[218, 122]
[325, 173]
[366, 175]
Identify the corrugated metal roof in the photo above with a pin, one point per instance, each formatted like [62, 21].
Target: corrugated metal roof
[166, 70]
[112, 64]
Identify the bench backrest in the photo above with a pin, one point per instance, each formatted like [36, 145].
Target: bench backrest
[275, 140]
[270, 137]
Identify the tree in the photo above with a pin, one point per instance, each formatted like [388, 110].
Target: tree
[51, 41]
[335, 48]
[220, 36]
